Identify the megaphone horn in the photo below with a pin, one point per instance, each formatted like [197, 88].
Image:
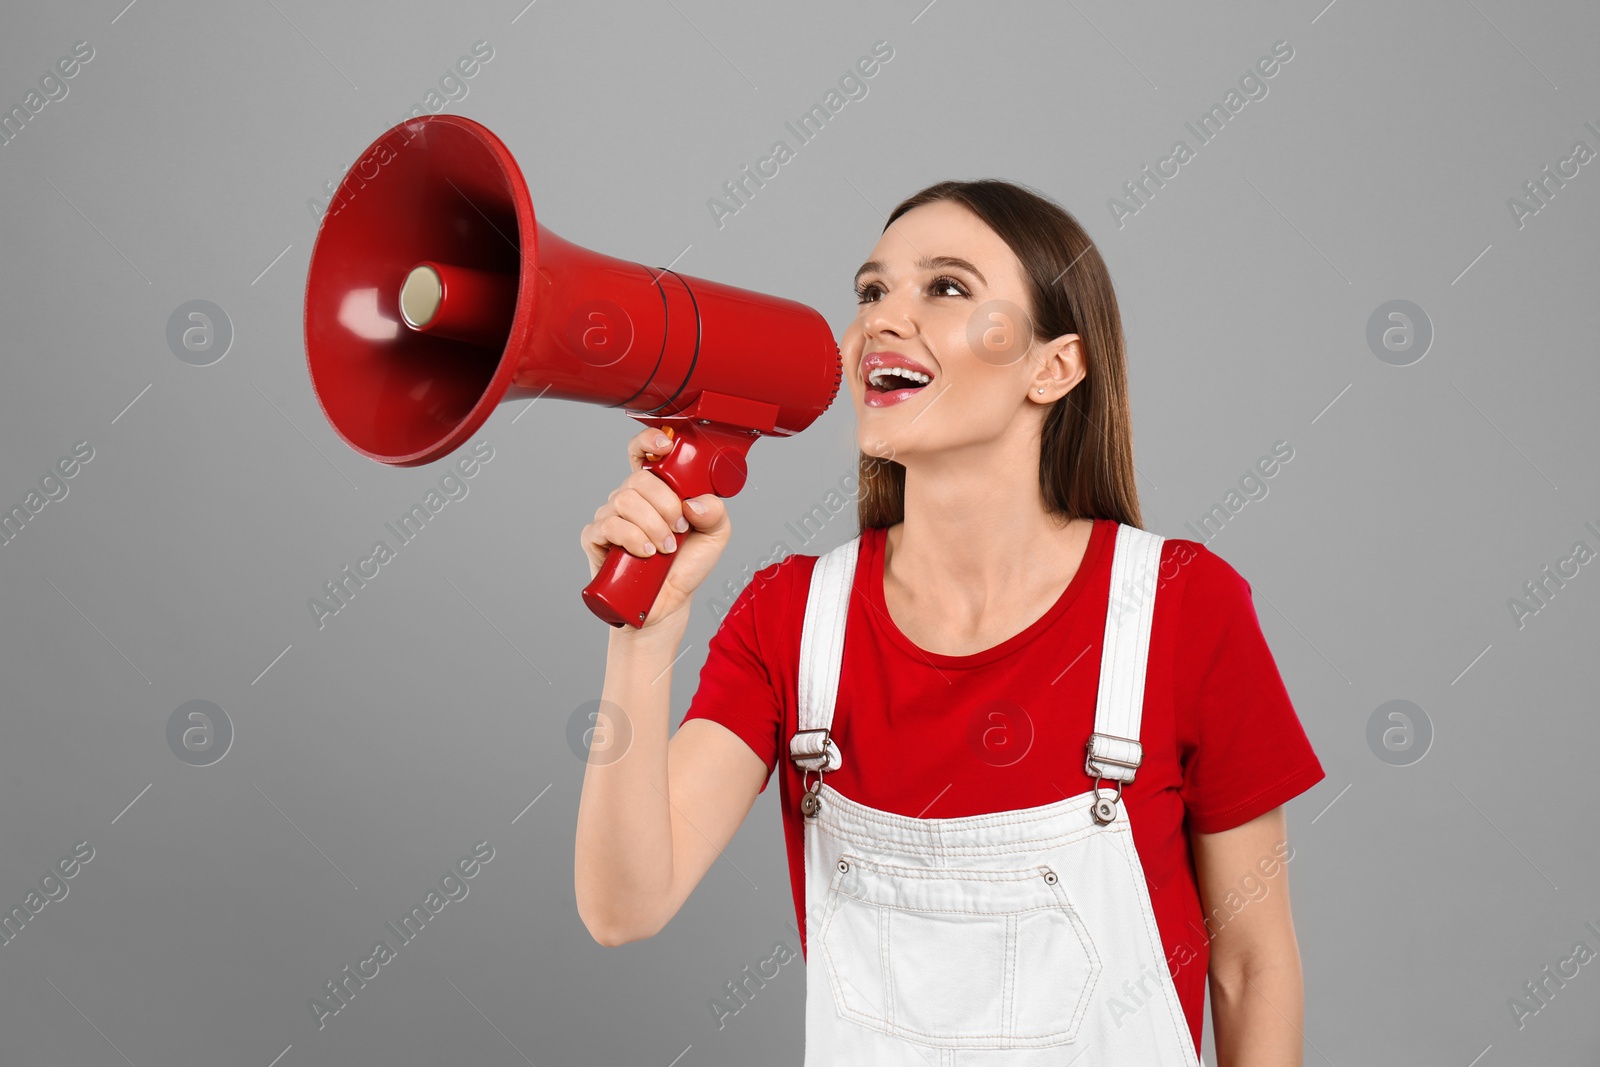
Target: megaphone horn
[434, 295]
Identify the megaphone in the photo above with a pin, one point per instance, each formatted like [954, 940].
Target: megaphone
[434, 295]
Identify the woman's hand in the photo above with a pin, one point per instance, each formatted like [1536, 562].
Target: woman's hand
[645, 517]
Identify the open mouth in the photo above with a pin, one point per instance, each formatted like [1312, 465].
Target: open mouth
[895, 379]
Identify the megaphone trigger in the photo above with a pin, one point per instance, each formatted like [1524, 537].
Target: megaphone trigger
[653, 457]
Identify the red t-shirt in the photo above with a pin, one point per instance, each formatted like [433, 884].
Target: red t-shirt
[935, 736]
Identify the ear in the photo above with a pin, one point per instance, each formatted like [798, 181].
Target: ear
[1060, 370]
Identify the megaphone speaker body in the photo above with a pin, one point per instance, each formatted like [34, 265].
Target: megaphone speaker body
[434, 295]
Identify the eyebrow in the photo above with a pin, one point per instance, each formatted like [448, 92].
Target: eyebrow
[925, 263]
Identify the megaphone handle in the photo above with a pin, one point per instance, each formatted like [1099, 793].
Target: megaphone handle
[705, 457]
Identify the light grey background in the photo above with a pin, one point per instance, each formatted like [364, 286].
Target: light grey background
[369, 755]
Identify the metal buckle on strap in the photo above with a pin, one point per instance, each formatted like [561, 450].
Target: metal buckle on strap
[812, 750]
[1090, 758]
[1105, 810]
[810, 796]
[809, 751]
[1102, 809]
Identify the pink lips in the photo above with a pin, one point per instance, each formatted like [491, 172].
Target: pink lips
[877, 398]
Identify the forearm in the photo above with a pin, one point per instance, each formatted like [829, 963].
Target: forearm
[623, 854]
[1258, 1013]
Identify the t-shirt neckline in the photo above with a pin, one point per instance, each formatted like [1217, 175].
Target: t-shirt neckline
[873, 560]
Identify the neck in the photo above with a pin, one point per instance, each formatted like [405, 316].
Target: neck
[977, 533]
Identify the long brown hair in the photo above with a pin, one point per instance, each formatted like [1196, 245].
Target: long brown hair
[1086, 445]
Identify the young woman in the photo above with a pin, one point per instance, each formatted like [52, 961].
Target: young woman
[1056, 747]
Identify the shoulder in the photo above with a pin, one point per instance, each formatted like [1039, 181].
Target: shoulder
[780, 580]
[1203, 583]
[762, 601]
[795, 569]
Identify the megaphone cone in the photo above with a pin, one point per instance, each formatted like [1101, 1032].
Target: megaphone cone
[434, 295]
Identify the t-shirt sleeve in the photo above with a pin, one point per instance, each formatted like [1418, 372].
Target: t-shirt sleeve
[1243, 747]
[736, 687]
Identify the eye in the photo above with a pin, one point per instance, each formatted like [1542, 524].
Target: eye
[944, 285]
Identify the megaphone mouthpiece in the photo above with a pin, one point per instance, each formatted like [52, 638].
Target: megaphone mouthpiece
[474, 306]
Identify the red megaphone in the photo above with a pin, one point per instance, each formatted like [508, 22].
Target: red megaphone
[433, 295]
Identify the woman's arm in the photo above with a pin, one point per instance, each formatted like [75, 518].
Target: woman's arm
[653, 814]
[653, 819]
[1257, 996]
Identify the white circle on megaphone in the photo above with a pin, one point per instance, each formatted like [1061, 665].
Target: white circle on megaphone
[600, 332]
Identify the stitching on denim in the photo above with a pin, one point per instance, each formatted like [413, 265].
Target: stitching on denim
[888, 1024]
[1135, 875]
[885, 930]
[1008, 997]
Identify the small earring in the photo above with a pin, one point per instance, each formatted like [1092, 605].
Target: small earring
[1041, 390]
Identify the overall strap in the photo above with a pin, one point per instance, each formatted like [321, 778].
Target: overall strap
[1113, 750]
[821, 655]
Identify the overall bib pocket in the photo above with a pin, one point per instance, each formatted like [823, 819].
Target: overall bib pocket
[957, 958]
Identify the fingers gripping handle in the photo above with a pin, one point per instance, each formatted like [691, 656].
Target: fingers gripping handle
[705, 457]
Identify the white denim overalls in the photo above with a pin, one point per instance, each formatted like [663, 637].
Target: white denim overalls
[994, 939]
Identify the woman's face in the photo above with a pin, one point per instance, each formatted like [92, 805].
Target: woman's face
[943, 295]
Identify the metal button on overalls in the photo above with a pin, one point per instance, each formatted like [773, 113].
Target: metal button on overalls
[996, 939]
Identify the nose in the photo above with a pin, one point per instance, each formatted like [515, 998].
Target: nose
[889, 315]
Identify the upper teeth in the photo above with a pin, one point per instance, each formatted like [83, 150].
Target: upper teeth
[877, 374]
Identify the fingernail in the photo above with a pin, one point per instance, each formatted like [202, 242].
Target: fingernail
[661, 441]
[682, 525]
[696, 506]
[649, 549]
[668, 543]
